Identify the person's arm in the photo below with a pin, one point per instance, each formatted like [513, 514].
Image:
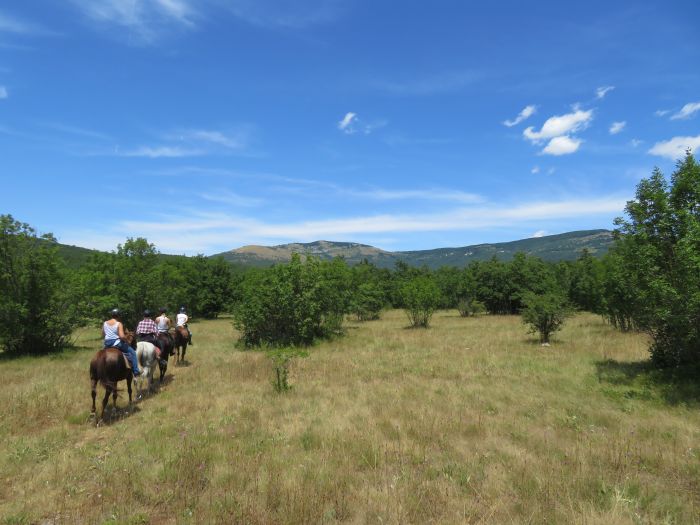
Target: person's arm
[120, 331]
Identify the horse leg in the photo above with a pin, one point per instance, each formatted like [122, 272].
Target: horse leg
[93, 391]
[105, 400]
[184, 349]
[128, 387]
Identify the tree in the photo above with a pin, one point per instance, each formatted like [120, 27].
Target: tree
[545, 313]
[293, 304]
[658, 248]
[421, 297]
[37, 314]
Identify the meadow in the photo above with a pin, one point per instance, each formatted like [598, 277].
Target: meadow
[469, 421]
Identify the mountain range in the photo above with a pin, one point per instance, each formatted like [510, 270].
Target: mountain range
[561, 247]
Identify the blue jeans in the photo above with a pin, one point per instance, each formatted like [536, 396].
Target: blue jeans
[130, 353]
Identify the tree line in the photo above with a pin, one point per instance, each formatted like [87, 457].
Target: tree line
[649, 281]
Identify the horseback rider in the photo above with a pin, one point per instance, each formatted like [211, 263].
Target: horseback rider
[164, 323]
[182, 319]
[114, 337]
[147, 331]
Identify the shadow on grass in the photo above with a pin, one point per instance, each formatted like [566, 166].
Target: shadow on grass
[112, 415]
[674, 386]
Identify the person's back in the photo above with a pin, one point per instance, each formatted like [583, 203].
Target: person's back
[110, 328]
[182, 320]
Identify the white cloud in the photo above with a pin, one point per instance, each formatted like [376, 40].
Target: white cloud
[535, 170]
[160, 152]
[617, 127]
[662, 112]
[346, 124]
[215, 137]
[145, 19]
[560, 125]
[539, 233]
[351, 123]
[3, 92]
[231, 198]
[563, 145]
[201, 232]
[297, 14]
[676, 147]
[635, 142]
[527, 112]
[687, 111]
[602, 91]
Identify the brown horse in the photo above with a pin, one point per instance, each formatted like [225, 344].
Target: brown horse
[168, 346]
[181, 338]
[109, 367]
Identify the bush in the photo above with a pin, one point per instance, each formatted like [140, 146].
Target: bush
[469, 307]
[367, 302]
[545, 313]
[36, 311]
[292, 304]
[421, 297]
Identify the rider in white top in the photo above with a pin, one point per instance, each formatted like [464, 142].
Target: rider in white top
[182, 319]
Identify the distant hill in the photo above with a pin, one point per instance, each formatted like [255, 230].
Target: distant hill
[562, 247]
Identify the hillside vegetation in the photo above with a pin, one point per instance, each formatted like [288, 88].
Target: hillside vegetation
[563, 247]
[470, 421]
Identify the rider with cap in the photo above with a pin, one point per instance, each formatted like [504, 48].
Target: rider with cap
[147, 331]
[182, 319]
[114, 337]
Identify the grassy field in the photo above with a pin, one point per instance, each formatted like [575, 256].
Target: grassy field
[470, 421]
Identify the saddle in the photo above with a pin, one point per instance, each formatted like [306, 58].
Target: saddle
[126, 360]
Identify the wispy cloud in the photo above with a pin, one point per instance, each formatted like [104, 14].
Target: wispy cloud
[157, 152]
[231, 198]
[526, 113]
[75, 130]
[602, 91]
[686, 111]
[662, 112]
[437, 84]
[617, 127]
[535, 170]
[346, 123]
[299, 14]
[3, 92]
[237, 140]
[145, 20]
[676, 147]
[539, 233]
[206, 232]
[13, 25]
[351, 124]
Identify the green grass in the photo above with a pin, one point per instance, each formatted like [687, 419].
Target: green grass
[470, 421]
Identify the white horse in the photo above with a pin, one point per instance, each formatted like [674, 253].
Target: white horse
[147, 356]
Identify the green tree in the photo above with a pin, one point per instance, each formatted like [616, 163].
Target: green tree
[421, 297]
[37, 313]
[293, 304]
[544, 313]
[658, 247]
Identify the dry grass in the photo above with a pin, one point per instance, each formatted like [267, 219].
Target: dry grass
[469, 421]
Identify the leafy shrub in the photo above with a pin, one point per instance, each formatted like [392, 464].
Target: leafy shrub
[545, 313]
[421, 297]
[281, 360]
[293, 304]
[469, 307]
[36, 311]
[367, 302]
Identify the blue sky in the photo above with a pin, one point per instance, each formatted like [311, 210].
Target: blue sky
[210, 124]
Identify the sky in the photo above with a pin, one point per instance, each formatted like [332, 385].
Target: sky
[206, 125]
